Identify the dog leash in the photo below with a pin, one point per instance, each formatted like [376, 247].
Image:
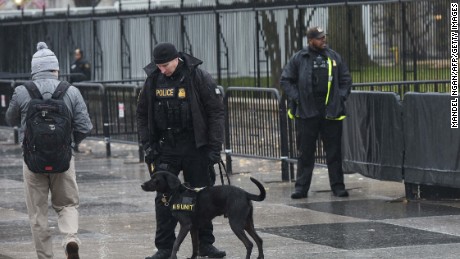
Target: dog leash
[225, 170]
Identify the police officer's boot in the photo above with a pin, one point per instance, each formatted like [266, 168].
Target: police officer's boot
[210, 251]
[161, 254]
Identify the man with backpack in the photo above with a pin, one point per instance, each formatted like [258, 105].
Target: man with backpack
[52, 116]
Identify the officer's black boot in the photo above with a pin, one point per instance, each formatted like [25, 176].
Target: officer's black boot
[211, 251]
[161, 254]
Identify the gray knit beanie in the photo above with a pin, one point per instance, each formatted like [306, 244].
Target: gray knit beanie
[44, 59]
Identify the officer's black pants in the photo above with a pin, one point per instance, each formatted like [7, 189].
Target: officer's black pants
[181, 155]
[331, 135]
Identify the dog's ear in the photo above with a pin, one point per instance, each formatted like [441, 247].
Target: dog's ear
[173, 181]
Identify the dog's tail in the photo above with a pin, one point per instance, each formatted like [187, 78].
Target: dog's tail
[262, 194]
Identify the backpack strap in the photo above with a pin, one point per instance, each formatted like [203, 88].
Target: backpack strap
[33, 90]
[61, 89]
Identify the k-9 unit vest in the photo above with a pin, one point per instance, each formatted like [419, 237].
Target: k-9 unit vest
[172, 106]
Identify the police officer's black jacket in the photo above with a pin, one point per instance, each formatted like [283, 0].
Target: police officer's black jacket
[82, 68]
[206, 106]
[296, 81]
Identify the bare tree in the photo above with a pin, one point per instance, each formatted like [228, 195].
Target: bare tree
[346, 34]
[272, 45]
[292, 36]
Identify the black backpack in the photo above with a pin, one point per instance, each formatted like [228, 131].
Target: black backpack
[48, 134]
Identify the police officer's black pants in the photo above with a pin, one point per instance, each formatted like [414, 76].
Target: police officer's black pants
[174, 157]
[331, 136]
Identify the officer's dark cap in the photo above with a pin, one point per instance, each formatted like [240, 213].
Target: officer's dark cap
[164, 52]
[315, 33]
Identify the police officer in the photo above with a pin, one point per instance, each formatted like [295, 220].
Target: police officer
[317, 83]
[180, 117]
[80, 67]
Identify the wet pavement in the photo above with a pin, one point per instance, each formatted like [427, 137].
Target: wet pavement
[117, 218]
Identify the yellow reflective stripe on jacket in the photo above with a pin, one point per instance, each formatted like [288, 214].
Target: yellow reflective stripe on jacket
[290, 115]
[329, 78]
[329, 85]
[337, 119]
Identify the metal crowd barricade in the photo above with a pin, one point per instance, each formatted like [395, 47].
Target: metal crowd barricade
[253, 124]
[6, 91]
[15, 84]
[402, 87]
[256, 123]
[112, 108]
[121, 102]
[399, 87]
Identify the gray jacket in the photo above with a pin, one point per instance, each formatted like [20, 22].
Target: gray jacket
[47, 82]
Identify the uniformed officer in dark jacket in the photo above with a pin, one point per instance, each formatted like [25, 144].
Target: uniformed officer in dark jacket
[80, 67]
[180, 117]
[317, 83]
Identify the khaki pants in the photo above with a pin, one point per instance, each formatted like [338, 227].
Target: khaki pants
[64, 199]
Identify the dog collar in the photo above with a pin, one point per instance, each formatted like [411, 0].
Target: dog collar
[165, 199]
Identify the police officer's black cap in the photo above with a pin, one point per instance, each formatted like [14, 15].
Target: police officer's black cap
[164, 52]
[315, 33]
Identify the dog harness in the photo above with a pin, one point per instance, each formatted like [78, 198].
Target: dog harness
[186, 201]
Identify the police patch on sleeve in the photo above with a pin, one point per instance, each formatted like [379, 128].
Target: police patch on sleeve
[218, 91]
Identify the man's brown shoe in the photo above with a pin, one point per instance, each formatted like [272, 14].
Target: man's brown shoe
[71, 249]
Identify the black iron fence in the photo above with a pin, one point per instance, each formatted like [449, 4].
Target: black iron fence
[244, 43]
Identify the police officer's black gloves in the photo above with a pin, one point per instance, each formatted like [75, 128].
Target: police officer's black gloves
[214, 156]
[150, 153]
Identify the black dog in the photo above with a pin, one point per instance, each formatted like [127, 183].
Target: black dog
[193, 209]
